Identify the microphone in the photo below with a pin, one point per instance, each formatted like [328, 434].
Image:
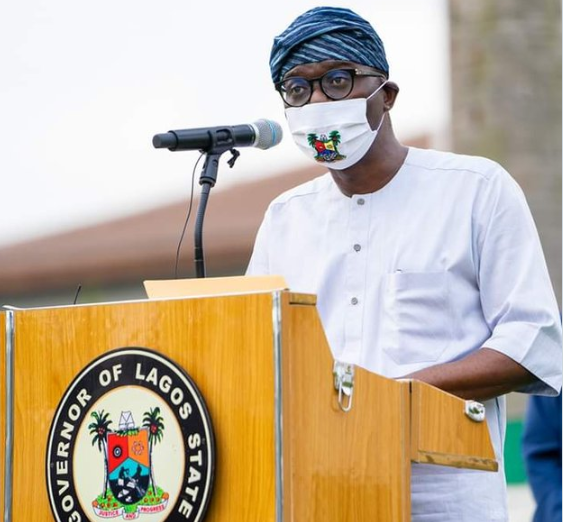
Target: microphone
[262, 134]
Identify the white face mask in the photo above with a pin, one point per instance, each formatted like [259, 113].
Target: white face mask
[335, 133]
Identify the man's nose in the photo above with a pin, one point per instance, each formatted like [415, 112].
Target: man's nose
[317, 95]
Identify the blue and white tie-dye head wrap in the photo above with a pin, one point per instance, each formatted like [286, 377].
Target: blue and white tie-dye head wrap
[327, 33]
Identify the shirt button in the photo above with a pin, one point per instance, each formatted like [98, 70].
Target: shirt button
[360, 201]
[357, 247]
[354, 301]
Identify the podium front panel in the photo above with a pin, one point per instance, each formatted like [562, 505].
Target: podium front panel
[226, 347]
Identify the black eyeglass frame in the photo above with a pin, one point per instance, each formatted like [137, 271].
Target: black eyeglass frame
[352, 71]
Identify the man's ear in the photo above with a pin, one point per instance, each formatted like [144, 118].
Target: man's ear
[391, 91]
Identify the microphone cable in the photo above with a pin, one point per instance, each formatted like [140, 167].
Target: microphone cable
[79, 288]
[187, 217]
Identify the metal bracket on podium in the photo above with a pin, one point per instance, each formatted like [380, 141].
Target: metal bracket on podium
[343, 377]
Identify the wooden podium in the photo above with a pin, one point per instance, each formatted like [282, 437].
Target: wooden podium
[284, 449]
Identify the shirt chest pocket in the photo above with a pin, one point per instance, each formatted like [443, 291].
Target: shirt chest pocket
[417, 317]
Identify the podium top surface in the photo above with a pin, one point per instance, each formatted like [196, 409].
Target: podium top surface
[213, 286]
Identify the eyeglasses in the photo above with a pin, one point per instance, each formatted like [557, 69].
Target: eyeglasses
[335, 84]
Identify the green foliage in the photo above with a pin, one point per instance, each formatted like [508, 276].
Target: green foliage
[335, 137]
[153, 421]
[107, 501]
[100, 428]
[126, 433]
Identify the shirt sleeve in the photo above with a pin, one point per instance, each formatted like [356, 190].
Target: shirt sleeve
[515, 289]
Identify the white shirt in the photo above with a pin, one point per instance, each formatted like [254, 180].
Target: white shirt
[441, 261]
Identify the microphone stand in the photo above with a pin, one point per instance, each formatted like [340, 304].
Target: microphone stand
[208, 178]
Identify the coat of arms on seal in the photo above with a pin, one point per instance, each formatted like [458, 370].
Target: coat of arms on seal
[129, 478]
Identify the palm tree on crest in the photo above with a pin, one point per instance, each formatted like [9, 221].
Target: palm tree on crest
[153, 421]
[100, 429]
[311, 139]
[335, 137]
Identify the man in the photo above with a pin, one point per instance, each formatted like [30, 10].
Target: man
[426, 264]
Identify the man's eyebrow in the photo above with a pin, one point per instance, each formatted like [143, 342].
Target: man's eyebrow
[296, 71]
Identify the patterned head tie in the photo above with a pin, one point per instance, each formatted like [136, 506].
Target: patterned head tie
[327, 33]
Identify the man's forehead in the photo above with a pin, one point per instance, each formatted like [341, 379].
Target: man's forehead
[317, 68]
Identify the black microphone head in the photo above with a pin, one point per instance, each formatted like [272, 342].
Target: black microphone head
[268, 134]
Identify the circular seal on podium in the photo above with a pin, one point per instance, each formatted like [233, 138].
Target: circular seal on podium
[131, 437]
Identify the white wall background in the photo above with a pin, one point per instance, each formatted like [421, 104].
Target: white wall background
[85, 85]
